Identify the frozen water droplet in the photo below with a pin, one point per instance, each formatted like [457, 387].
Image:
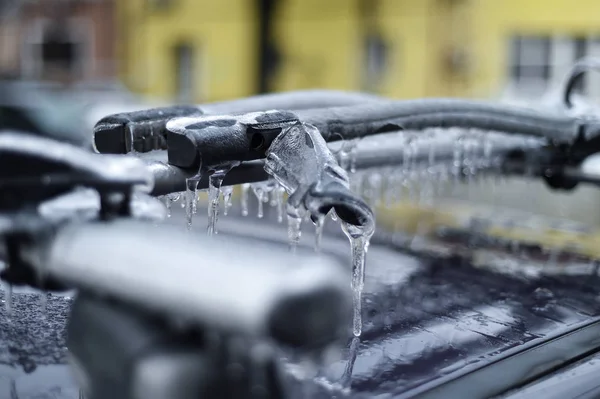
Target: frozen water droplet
[294, 217]
[359, 245]
[227, 192]
[319, 224]
[8, 297]
[244, 198]
[191, 193]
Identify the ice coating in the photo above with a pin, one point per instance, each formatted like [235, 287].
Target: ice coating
[301, 162]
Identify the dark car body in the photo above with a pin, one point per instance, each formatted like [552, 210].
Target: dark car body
[432, 328]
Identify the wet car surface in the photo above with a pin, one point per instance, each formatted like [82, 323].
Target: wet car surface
[432, 328]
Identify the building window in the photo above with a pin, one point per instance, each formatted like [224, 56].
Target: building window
[530, 61]
[184, 71]
[538, 63]
[57, 51]
[375, 63]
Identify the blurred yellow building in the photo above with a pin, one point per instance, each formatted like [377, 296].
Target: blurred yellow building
[204, 50]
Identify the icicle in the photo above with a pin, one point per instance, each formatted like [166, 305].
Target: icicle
[278, 193]
[259, 196]
[294, 217]
[407, 154]
[8, 297]
[273, 197]
[407, 164]
[261, 191]
[475, 158]
[319, 224]
[458, 157]
[191, 193]
[488, 152]
[167, 201]
[214, 194]
[244, 198]
[359, 244]
[227, 192]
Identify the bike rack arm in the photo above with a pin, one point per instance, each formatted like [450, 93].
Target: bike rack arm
[207, 283]
[344, 123]
[213, 140]
[143, 131]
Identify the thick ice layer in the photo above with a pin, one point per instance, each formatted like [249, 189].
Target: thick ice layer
[301, 162]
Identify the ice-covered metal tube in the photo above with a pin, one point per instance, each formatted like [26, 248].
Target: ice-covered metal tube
[145, 131]
[298, 302]
[300, 161]
[343, 123]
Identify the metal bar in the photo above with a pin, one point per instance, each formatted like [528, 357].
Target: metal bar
[206, 281]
